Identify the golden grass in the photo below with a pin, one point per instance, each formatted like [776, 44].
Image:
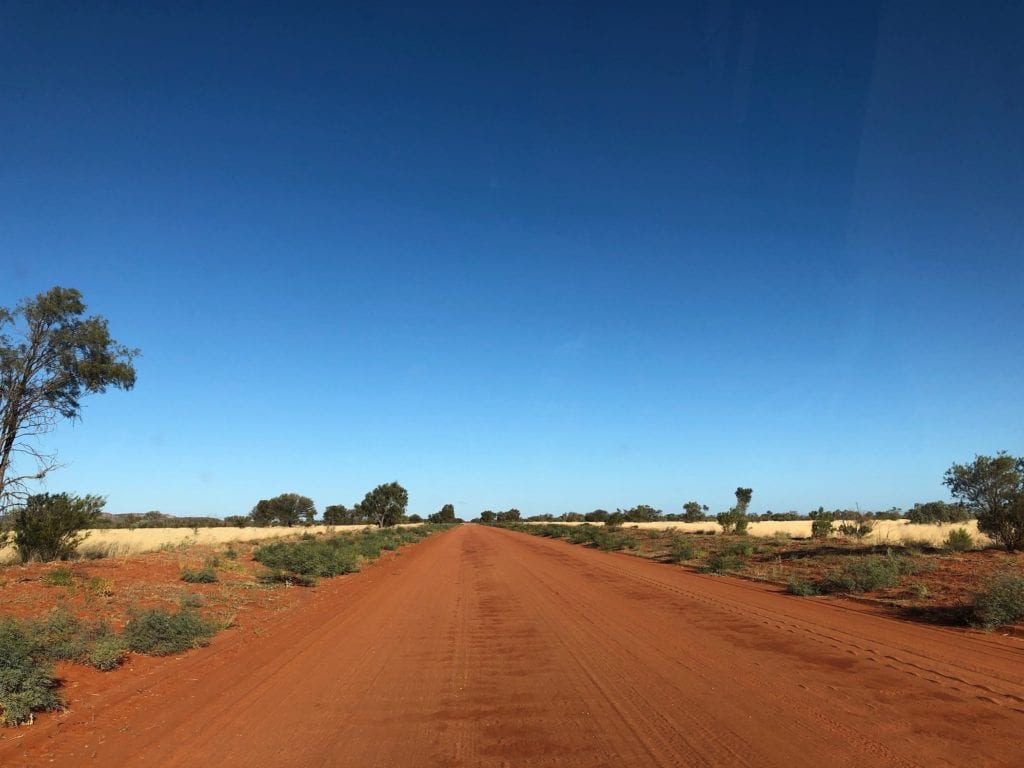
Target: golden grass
[885, 531]
[124, 541]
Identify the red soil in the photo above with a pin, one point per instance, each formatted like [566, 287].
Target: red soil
[483, 647]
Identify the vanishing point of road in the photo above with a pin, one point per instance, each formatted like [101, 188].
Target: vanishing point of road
[486, 647]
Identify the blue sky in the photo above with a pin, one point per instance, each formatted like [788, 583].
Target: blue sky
[557, 258]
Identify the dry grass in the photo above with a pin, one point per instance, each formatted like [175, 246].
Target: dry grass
[116, 542]
[885, 532]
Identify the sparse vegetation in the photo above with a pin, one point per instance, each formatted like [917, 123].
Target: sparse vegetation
[158, 632]
[1000, 601]
[959, 540]
[204, 575]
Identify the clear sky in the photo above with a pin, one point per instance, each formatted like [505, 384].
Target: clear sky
[550, 256]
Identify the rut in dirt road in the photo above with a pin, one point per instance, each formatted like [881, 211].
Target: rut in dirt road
[485, 647]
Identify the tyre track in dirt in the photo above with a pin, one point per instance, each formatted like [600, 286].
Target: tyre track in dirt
[485, 647]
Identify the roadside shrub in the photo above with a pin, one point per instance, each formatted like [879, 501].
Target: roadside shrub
[821, 528]
[868, 573]
[231, 553]
[681, 549]
[61, 577]
[722, 563]
[856, 528]
[204, 575]
[802, 588]
[158, 632]
[62, 636]
[107, 653]
[330, 557]
[959, 540]
[51, 526]
[1000, 601]
[26, 677]
[733, 521]
[271, 576]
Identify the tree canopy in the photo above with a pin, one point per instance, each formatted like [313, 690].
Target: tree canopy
[286, 509]
[993, 488]
[51, 356]
[385, 505]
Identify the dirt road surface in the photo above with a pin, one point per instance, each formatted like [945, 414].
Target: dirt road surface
[483, 647]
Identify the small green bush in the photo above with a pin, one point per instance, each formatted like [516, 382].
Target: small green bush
[959, 540]
[272, 576]
[802, 588]
[51, 526]
[107, 653]
[158, 632]
[821, 528]
[723, 562]
[61, 577]
[856, 528]
[868, 573]
[330, 557]
[26, 676]
[1000, 601]
[681, 549]
[231, 553]
[204, 575]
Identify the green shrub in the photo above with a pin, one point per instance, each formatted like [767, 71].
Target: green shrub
[802, 588]
[107, 653]
[231, 553]
[272, 576]
[821, 528]
[868, 573]
[204, 575]
[681, 549]
[26, 676]
[959, 540]
[330, 557]
[62, 636]
[723, 562]
[856, 528]
[158, 632]
[61, 577]
[51, 526]
[1000, 601]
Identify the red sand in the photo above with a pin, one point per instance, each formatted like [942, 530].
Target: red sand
[483, 647]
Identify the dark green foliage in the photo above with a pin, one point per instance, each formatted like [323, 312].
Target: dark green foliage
[938, 512]
[50, 526]
[614, 520]
[26, 675]
[339, 514]
[329, 557]
[107, 653]
[1000, 601]
[286, 509]
[821, 524]
[694, 512]
[736, 519]
[681, 549]
[858, 527]
[597, 516]
[158, 632]
[993, 488]
[385, 505]
[868, 573]
[444, 516]
[272, 576]
[59, 577]
[50, 357]
[204, 575]
[959, 540]
[723, 562]
[802, 588]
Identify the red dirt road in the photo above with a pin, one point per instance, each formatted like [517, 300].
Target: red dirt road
[483, 647]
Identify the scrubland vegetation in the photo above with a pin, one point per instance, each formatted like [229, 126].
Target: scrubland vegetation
[30, 646]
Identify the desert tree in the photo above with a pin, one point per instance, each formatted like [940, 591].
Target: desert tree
[445, 516]
[286, 509]
[693, 512]
[385, 505]
[993, 488]
[51, 356]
